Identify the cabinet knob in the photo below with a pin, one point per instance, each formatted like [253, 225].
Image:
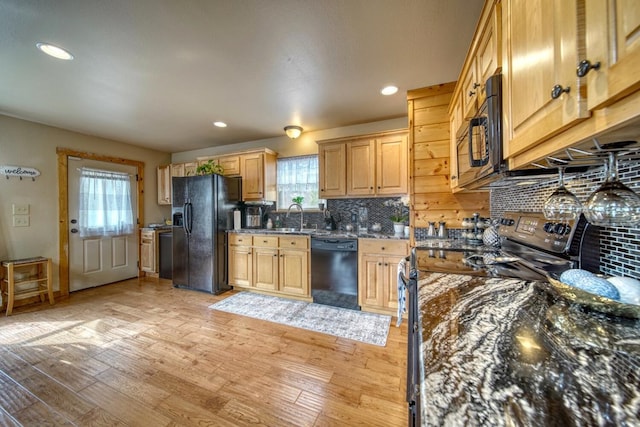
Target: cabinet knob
[379, 263]
[559, 90]
[293, 243]
[585, 66]
[476, 85]
[472, 92]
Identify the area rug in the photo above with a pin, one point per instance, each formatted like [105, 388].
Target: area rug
[355, 325]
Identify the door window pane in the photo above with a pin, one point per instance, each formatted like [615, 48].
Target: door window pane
[105, 203]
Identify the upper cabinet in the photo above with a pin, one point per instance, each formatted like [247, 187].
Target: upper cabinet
[612, 59]
[543, 94]
[184, 169]
[364, 166]
[164, 185]
[258, 176]
[332, 163]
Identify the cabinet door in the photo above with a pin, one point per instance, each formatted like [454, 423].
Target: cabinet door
[470, 88]
[265, 268]
[390, 282]
[190, 168]
[177, 169]
[618, 54]
[361, 168]
[240, 266]
[148, 251]
[332, 170]
[230, 165]
[392, 165]
[370, 281]
[488, 58]
[294, 272]
[252, 176]
[164, 185]
[542, 54]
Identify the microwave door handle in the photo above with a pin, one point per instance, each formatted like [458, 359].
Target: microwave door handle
[477, 122]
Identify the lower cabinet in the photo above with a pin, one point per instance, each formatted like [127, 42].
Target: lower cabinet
[377, 274]
[274, 264]
[149, 252]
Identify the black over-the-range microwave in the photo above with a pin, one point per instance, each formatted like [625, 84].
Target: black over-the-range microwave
[480, 157]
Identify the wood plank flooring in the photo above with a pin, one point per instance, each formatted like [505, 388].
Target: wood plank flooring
[142, 353]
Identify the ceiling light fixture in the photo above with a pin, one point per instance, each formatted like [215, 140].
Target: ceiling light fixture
[293, 131]
[389, 90]
[220, 124]
[55, 51]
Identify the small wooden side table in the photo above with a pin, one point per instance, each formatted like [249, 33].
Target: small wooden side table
[41, 280]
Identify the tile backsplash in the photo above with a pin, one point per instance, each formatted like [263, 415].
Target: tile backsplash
[620, 247]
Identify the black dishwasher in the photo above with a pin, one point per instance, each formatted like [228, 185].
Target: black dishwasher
[166, 255]
[334, 272]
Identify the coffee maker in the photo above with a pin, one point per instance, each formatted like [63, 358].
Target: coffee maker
[253, 216]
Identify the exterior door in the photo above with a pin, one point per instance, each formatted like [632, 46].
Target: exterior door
[95, 261]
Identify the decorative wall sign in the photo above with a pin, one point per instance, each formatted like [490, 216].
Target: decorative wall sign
[19, 171]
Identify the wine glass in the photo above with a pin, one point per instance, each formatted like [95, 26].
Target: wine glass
[562, 205]
[613, 204]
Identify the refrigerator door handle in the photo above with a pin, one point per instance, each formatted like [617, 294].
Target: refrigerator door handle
[185, 219]
[189, 218]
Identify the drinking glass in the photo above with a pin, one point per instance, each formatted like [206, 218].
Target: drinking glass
[562, 205]
[613, 204]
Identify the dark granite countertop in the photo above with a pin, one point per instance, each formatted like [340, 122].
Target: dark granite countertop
[320, 233]
[500, 351]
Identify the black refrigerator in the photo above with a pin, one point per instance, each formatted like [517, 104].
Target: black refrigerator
[202, 212]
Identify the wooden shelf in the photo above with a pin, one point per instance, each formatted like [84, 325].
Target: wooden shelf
[40, 276]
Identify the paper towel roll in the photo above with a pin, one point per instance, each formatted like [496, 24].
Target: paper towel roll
[237, 220]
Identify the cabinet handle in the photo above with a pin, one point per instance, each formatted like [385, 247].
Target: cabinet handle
[275, 255]
[382, 248]
[476, 85]
[379, 263]
[559, 90]
[472, 92]
[584, 66]
[293, 243]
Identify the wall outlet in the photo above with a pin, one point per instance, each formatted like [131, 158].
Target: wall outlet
[20, 209]
[21, 220]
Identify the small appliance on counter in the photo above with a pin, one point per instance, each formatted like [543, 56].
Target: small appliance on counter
[253, 216]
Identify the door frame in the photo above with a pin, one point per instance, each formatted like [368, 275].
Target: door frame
[63, 205]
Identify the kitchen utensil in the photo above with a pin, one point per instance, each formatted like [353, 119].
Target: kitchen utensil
[562, 205]
[613, 204]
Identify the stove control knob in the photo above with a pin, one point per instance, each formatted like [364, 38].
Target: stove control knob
[559, 229]
[548, 227]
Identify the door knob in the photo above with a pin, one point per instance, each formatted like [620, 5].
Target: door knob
[74, 221]
[74, 230]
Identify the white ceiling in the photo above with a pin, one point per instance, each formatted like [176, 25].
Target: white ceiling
[157, 73]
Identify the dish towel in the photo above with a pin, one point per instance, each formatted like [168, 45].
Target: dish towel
[402, 293]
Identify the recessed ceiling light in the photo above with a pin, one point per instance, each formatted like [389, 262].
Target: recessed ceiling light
[389, 90]
[55, 51]
[220, 124]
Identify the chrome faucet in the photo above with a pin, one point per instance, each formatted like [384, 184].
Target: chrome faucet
[297, 205]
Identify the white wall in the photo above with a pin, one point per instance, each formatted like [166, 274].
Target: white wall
[29, 144]
[305, 144]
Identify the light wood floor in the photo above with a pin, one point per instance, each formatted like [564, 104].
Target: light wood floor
[142, 353]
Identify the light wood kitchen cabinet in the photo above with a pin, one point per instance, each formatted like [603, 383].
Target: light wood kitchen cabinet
[543, 95]
[265, 262]
[332, 162]
[259, 176]
[164, 184]
[150, 252]
[270, 263]
[230, 165]
[184, 169]
[373, 165]
[294, 265]
[240, 260]
[612, 43]
[377, 273]
[391, 164]
[361, 167]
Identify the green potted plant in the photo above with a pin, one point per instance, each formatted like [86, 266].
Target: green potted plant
[298, 200]
[209, 168]
[399, 216]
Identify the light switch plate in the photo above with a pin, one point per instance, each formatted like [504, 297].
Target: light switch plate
[20, 209]
[21, 220]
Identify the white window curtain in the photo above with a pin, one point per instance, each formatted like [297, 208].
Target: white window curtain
[105, 203]
[298, 177]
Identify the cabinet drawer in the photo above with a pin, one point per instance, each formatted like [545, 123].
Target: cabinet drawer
[291, 242]
[147, 235]
[239, 239]
[382, 246]
[260, 241]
